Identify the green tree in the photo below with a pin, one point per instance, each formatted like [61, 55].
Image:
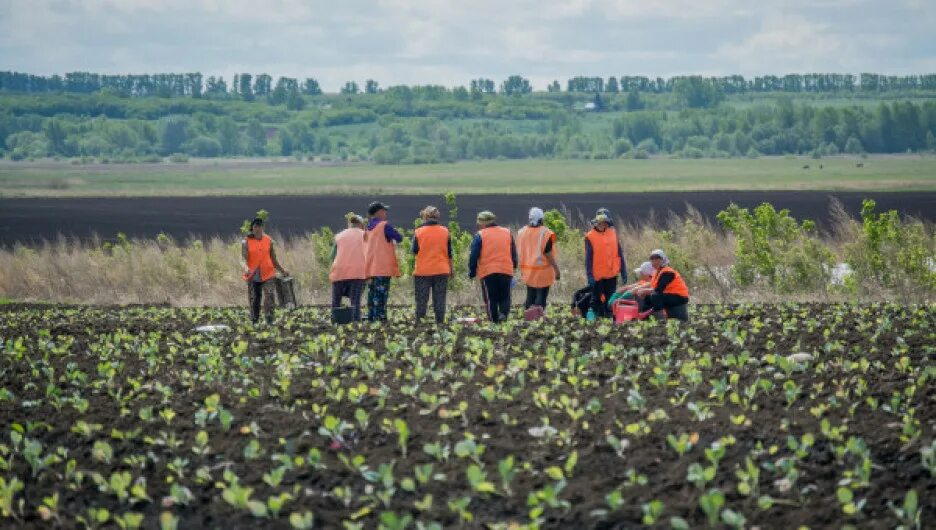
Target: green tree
[229, 136]
[174, 134]
[697, 92]
[370, 87]
[633, 101]
[350, 88]
[244, 88]
[256, 137]
[311, 87]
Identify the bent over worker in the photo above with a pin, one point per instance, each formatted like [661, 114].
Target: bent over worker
[493, 259]
[260, 266]
[347, 271]
[667, 291]
[433, 249]
[536, 246]
[604, 260]
[380, 260]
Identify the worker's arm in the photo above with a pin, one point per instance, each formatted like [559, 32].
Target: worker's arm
[551, 257]
[623, 263]
[244, 256]
[513, 253]
[276, 264]
[588, 262]
[665, 279]
[474, 255]
[334, 251]
[391, 234]
[414, 246]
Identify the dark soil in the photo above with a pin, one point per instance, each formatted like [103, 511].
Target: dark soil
[122, 360]
[34, 220]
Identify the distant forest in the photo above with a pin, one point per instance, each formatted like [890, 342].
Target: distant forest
[138, 118]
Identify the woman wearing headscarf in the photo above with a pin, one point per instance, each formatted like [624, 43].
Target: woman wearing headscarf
[667, 291]
[433, 249]
[536, 247]
[347, 274]
[604, 260]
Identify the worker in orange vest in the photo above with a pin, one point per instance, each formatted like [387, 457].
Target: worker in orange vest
[667, 291]
[493, 259]
[380, 260]
[433, 249]
[536, 246]
[347, 271]
[604, 260]
[260, 266]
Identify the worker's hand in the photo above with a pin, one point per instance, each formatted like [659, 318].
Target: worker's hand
[246, 270]
[285, 273]
[558, 276]
[591, 282]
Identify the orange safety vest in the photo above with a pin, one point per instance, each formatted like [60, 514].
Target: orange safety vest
[258, 256]
[606, 263]
[495, 255]
[676, 286]
[349, 256]
[531, 244]
[379, 254]
[432, 258]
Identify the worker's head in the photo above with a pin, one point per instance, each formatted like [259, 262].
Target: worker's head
[430, 213]
[378, 210]
[355, 220]
[486, 218]
[603, 211]
[658, 259]
[256, 227]
[645, 271]
[536, 216]
[601, 222]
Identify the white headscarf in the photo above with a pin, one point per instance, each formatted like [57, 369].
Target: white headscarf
[659, 252]
[645, 269]
[536, 215]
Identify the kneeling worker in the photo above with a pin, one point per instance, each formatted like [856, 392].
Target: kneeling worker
[493, 259]
[260, 266]
[667, 289]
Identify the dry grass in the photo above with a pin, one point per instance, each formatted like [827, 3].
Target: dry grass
[207, 273]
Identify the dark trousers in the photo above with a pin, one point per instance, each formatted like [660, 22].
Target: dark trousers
[536, 296]
[601, 293]
[496, 291]
[261, 292]
[672, 303]
[436, 285]
[352, 290]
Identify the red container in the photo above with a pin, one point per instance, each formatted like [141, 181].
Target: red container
[625, 311]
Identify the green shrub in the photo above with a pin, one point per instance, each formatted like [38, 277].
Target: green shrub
[773, 248]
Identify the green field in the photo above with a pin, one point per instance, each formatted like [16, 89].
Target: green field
[263, 176]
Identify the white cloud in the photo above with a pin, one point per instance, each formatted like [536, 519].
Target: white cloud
[452, 41]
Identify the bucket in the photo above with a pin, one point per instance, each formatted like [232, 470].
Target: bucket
[625, 310]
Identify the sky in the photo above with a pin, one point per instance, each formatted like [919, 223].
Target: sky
[450, 42]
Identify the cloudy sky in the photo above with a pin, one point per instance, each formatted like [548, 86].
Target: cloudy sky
[452, 41]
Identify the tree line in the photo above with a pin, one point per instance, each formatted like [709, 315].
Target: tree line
[423, 125]
[250, 87]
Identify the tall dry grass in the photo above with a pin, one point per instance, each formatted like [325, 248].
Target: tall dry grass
[207, 272]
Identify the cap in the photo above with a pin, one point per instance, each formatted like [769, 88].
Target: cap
[486, 217]
[375, 207]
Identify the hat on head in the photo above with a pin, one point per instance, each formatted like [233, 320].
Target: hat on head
[536, 215]
[375, 207]
[601, 218]
[486, 217]
[645, 269]
[660, 254]
[256, 222]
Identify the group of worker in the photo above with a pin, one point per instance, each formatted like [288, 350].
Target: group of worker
[364, 255]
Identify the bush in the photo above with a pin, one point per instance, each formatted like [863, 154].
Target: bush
[205, 147]
[622, 146]
[892, 253]
[772, 247]
[649, 145]
[179, 158]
